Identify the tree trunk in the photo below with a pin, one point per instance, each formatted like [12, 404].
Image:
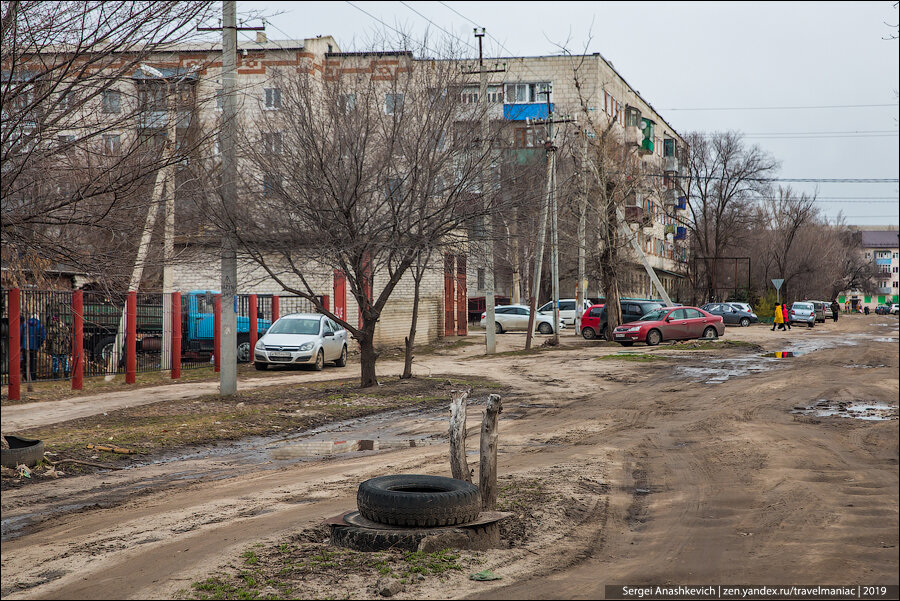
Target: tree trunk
[411, 339]
[459, 467]
[367, 358]
[487, 470]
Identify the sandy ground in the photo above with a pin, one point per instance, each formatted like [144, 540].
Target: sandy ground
[690, 470]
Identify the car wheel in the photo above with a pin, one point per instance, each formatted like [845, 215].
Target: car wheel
[545, 328]
[605, 333]
[710, 332]
[812, 324]
[261, 366]
[498, 328]
[745, 322]
[342, 360]
[243, 352]
[320, 361]
[588, 333]
[654, 337]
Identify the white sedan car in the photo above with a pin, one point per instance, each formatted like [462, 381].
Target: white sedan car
[302, 339]
[515, 317]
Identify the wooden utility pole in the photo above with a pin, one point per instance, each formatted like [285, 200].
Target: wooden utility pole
[488, 240]
[228, 321]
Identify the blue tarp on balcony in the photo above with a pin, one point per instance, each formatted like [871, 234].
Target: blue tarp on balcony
[680, 233]
[886, 261]
[520, 112]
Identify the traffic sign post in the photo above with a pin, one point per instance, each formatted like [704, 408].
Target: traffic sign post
[777, 283]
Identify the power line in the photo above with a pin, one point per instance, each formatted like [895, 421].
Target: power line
[394, 29]
[454, 36]
[781, 108]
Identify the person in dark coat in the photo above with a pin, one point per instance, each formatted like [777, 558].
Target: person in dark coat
[31, 341]
[59, 345]
[835, 309]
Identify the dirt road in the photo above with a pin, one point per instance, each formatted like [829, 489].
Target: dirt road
[689, 469]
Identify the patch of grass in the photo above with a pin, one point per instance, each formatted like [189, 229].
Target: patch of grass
[438, 562]
[633, 357]
[705, 345]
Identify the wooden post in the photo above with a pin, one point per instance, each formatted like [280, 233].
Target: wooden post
[458, 464]
[487, 472]
[78, 340]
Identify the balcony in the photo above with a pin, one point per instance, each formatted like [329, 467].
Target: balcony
[521, 112]
[633, 135]
[670, 229]
[671, 163]
[682, 203]
[681, 233]
[886, 261]
[634, 214]
[885, 290]
[670, 197]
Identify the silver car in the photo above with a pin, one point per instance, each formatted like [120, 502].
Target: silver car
[804, 312]
[302, 339]
[515, 317]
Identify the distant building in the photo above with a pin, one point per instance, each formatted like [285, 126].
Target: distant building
[883, 248]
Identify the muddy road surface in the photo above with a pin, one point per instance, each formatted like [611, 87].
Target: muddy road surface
[690, 464]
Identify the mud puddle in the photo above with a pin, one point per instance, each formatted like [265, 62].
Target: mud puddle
[863, 410]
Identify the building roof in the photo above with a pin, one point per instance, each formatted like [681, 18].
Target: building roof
[880, 239]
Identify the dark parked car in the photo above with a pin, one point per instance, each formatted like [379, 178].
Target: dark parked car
[730, 314]
[670, 323]
[882, 310]
[594, 322]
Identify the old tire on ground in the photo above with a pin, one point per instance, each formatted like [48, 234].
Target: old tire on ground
[545, 328]
[588, 333]
[654, 337]
[417, 500]
[342, 360]
[21, 451]
[745, 322]
[710, 332]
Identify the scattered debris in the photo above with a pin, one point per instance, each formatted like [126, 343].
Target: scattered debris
[484, 575]
[111, 449]
[388, 587]
[863, 410]
[24, 471]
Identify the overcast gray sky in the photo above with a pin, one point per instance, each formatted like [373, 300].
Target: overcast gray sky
[704, 66]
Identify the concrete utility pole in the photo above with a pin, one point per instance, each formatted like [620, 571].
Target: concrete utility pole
[539, 259]
[169, 227]
[228, 321]
[554, 229]
[488, 242]
[582, 216]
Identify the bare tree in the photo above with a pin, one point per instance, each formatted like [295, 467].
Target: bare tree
[78, 156]
[725, 176]
[362, 174]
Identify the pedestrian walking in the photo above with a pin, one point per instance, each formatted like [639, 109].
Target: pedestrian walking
[32, 338]
[778, 318]
[787, 318]
[59, 345]
[866, 309]
[835, 310]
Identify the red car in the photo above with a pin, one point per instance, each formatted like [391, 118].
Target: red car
[670, 323]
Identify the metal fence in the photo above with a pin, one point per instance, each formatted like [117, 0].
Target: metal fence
[47, 349]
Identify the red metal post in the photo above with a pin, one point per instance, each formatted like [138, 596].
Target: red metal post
[326, 302]
[176, 335]
[15, 356]
[340, 294]
[78, 340]
[462, 297]
[217, 338]
[131, 338]
[274, 307]
[449, 295]
[254, 325]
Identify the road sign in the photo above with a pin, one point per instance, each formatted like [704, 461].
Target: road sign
[777, 284]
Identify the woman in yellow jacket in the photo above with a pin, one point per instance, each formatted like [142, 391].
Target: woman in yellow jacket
[779, 318]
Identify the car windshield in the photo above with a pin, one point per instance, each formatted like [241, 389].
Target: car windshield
[295, 326]
[803, 306]
[655, 315]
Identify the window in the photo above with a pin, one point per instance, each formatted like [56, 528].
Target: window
[347, 102]
[393, 103]
[67, 100]
[693, 313]
[495, 94]
[669, 147]
[111, 101]
[326, 327]
[273, 98]
[112, 143]
[520, 93]
[271, 185]
[272, 142]
[885, 269]
[469, 95]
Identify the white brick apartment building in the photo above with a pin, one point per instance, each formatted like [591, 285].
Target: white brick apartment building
[883, 248]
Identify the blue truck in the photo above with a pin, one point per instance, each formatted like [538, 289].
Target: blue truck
[101, 321]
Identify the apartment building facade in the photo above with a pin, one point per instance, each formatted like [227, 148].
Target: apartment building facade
[882, 247]
[600, 98]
